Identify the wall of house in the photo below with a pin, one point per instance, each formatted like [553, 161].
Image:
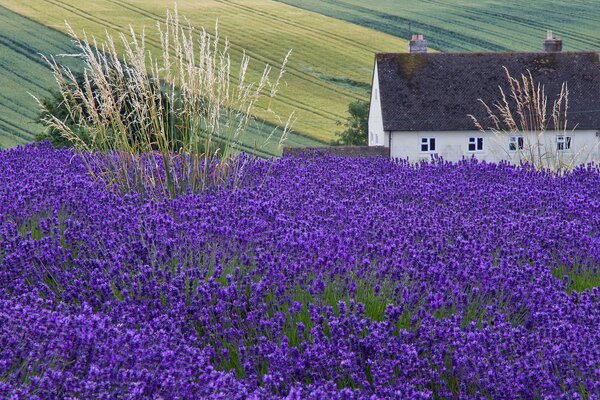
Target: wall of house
[377, 137]
[453, 146]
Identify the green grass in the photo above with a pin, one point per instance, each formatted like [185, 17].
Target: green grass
[578, 278]
[331, 64]
[467, 25]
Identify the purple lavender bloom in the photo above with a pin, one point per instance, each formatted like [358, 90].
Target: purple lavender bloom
[314, 277]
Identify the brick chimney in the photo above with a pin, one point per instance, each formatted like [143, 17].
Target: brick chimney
[417, 44]
[552, 44]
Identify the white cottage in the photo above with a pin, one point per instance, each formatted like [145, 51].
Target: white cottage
[420, 102]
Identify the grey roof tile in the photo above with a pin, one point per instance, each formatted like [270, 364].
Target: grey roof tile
[437, 91]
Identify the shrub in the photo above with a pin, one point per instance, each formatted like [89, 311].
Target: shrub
[357, 125]
[55, 106]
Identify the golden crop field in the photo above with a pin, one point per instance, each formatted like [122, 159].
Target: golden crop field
[330, 66]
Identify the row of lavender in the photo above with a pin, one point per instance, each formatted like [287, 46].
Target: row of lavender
[318, 277]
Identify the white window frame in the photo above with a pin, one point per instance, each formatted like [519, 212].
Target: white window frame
[477, 142]
[517, 141]
[564, 143]
[428, 141]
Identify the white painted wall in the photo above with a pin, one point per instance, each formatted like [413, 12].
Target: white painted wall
[453, 146]
[377, 137]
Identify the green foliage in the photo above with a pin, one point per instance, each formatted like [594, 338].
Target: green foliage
[579, 277]
[54, 105]
[356, 125]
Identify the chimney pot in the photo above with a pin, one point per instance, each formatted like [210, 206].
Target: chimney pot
[552, 44]
[417, 44]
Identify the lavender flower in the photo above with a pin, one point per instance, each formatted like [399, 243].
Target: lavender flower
[317, 277]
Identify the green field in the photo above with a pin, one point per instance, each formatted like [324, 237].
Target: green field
[331, 64]
[468, 25]
[22, 71]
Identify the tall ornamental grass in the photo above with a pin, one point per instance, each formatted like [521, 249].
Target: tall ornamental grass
[167, 124]
[524, 110]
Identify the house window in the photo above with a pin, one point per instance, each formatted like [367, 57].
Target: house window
[427, 144]
[515, 143]
[563, 142]
[475, 144]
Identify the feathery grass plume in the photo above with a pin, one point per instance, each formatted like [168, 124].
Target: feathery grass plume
[167, 125]
[523, 110]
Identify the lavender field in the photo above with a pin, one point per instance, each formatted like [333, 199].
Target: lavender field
[315, 277]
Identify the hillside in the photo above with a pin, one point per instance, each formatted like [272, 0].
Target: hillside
[331, 64]
[465, 25]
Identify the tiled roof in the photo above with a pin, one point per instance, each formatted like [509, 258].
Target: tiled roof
[437, 91]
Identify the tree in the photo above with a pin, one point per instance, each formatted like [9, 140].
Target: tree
[357, 125]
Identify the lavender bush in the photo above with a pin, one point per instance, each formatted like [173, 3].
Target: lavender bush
[316, 277]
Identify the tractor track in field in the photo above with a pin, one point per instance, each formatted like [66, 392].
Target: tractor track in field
[22, 65]
[475, 19]
[22, 50]
[9, 104]
[257, 56]
[23, 77]
[298, 73]
[290, 102]
[45, 39]
[389, 23]
[16, 130]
